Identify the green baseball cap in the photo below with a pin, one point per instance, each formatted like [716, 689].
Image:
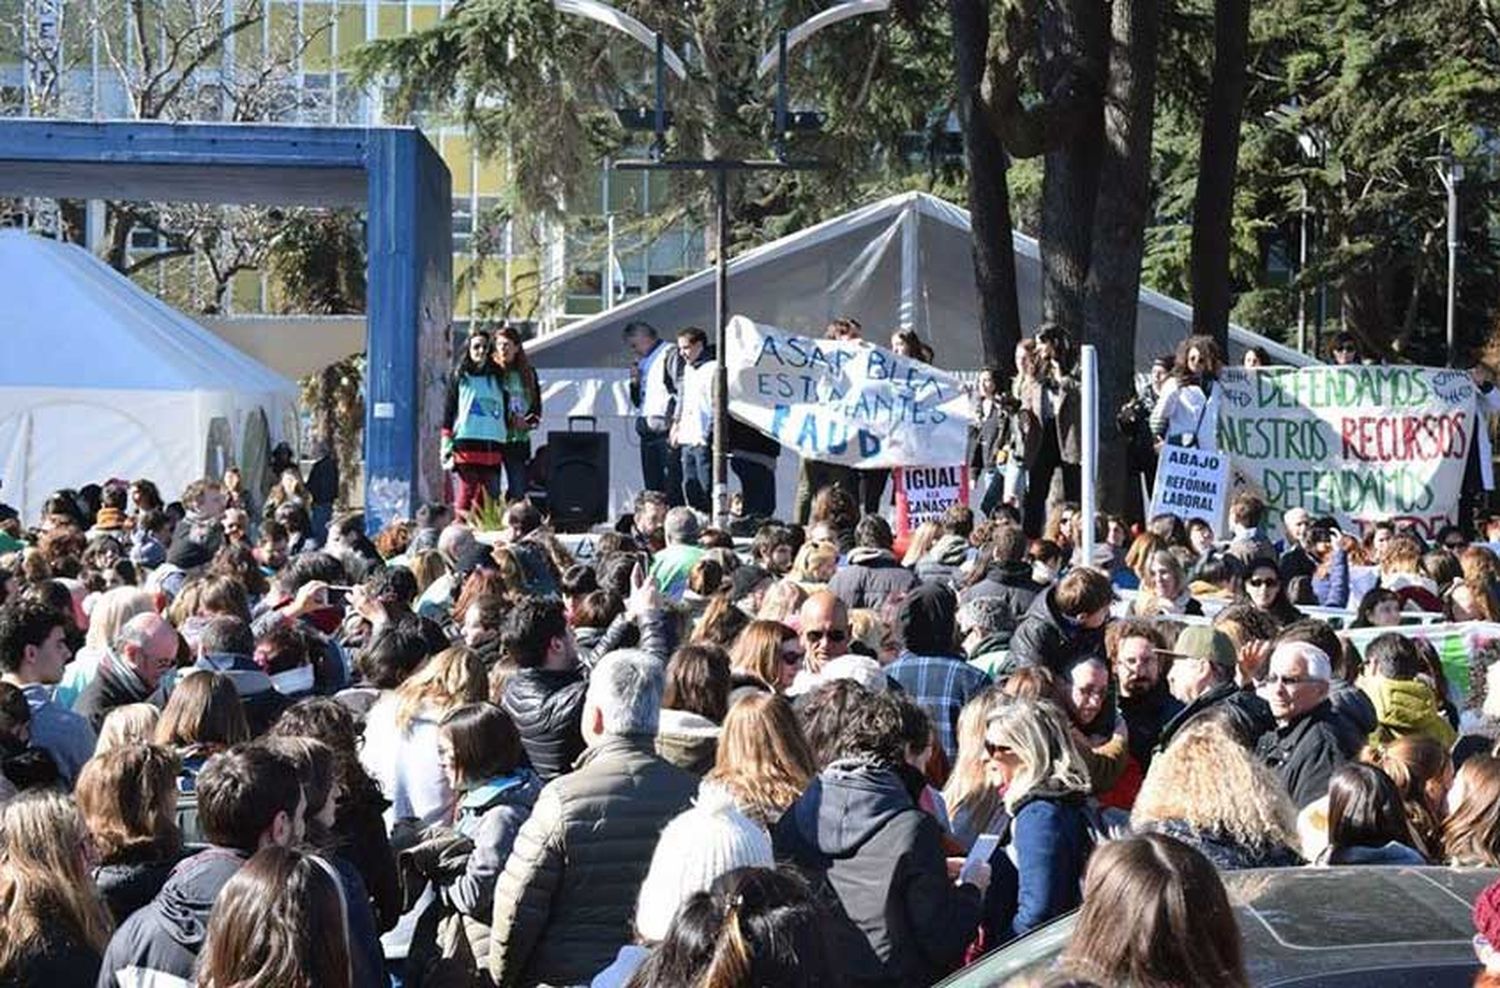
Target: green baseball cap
[1199, 641]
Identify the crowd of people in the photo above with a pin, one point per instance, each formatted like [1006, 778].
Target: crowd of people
[233, 752]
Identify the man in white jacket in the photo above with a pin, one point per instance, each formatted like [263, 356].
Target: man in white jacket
[693, 429]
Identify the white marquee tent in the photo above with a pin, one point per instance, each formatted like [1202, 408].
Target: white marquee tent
[903, 262]
[104, 380]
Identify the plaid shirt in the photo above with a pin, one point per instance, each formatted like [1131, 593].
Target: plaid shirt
[941, 686]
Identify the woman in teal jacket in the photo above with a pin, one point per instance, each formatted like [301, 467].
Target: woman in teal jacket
[475, 430]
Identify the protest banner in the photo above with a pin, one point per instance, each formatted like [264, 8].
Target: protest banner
[1191, 483]
[845, 402]
[924, 493]
[1359, 444]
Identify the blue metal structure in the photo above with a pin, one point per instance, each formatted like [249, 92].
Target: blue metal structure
[391, 172]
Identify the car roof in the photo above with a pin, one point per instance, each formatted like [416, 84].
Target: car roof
[1302, 922]
[1354, 925]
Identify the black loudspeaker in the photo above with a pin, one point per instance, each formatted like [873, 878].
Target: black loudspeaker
[578, 477]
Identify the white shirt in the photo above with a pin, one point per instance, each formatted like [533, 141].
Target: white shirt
[695, 415]
[1184, 410]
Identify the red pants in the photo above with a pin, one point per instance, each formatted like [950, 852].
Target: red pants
[474, 482]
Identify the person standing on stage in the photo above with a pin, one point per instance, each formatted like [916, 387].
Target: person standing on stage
[693, 429]
[1053, 399]
[523, 408]
[654, 381]
[474, 430]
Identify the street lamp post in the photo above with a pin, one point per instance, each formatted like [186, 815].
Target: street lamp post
[660, 120]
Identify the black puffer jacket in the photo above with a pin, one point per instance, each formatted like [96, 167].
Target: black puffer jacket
[1250, 712]
[870, 576]
[547, 706]
[1304, 753]
[565, 903]
[1012, 583]
[1045, 638]
[858, 833]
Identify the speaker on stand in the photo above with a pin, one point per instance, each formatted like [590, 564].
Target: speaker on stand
[578, 476]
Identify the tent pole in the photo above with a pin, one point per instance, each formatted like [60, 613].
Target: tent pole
[721, 349]
[909, 234]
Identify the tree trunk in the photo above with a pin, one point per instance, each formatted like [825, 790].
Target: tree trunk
[1073, 40]
[1120, 218]
[989, 196]
[1218, 160]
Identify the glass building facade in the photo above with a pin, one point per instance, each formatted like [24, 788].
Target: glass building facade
[90, 59]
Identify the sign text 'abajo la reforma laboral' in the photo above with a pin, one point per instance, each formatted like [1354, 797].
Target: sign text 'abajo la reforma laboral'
[1360, 444]
[845, 402]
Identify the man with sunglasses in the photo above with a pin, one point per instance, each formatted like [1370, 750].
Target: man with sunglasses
[824, 630]
[1304, 747]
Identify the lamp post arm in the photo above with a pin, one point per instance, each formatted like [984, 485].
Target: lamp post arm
[816, 23]
[603, 13]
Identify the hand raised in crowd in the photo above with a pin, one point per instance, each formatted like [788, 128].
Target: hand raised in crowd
[1253, 656]
[644, 596]
[311, 596]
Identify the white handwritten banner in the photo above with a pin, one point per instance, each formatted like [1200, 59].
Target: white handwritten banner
[852, 403]
[1191, 483]
[1359, 444]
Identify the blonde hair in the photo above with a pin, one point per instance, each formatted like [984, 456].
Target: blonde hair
[44, 882]
[111, 611]
[921, 540]
[811, 558]
[763, 760]
[967, 789]
[866, 625]
[757, 652]
[1138, 556]
[133, 723]
[449, 679]
[782, 602]
[1213, 784]
[1037, 732]
[427, 566]
[1403, 554]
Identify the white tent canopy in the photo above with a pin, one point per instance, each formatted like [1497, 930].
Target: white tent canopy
[107, 381]
[903, 262]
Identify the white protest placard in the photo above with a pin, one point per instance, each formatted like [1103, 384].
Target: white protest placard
[924, 493]
[1191, 483]
[1360, 444]
[845, 402]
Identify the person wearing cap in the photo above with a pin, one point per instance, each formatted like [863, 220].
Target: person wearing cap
[1304, 746]
[1202, 675]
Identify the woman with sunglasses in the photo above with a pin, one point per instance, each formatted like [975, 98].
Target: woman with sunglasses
[1044, 779]
[475, 428]
[1266, 591]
